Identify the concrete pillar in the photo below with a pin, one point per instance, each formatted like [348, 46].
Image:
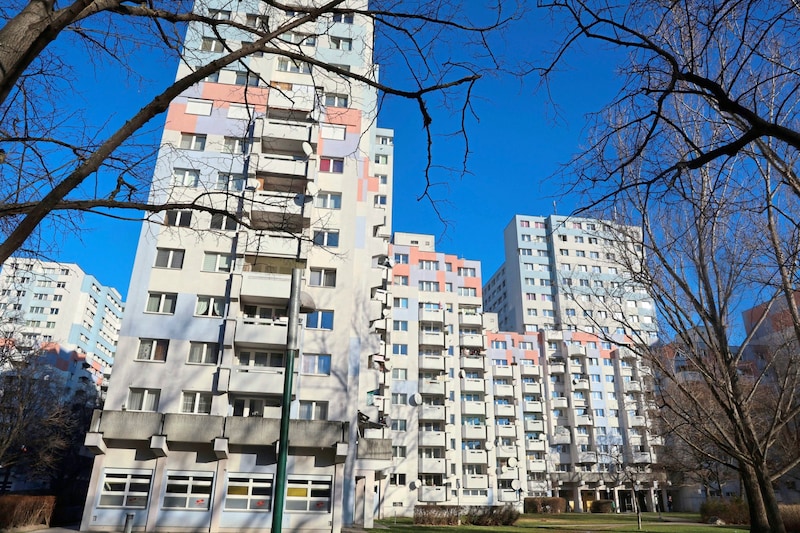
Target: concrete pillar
[153, 502]
[578, 504]
[615, 497]
[218, 501]
[651, 502]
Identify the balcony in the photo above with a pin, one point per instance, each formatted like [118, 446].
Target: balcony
[632, 386]
[286, 135]
[264, 287]
[471, 341]
[559, 403]
[583, 420]
[626, 371]
[537, 465]
[476, 481]
[474, 457]
[274, 171]
[431, 362]
[506, 430]
[502, 371]
[432, 494]
[432, 466]
[473, 363]
[576, 351]
[504, 410]
[580, 384]
[530, 370]
[504, 390]
[535, 445]
[507, 495]
[473, 385]
[508, 473]
[473, 408]
[534, 425]
[470, 432]
[506, 452]
[470, 319]
[532, 407]
[297, 97]
[642, 458]
[273, 245]
[432, 412]
[561, 437]
[587, 457]
[531, 388]
[273, 211]
[256, 380]
[431, 338]
[432, 438]
[260, 331]
[636, 421]
[431, 315]
[432, 386]
[557, 368]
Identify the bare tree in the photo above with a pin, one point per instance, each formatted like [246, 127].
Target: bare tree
[58, 163]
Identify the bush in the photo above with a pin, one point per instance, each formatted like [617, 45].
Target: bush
[19, 510]
[729, 511]
[476, 515]
[544, 505]
[791, 517]
[602, 506]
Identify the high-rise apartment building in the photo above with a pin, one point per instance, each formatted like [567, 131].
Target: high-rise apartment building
[570, 274]
[478, 416]
[61, 308]
[188, 438]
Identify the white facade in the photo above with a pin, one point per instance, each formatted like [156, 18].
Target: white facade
[188, 437]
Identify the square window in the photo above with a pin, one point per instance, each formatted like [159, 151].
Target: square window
[159, 302]
[210, 306]
[196, 402]
[320, 320]
[322, 277]
[319, 364]
[152, 350]
[143, 399]
[331, 164]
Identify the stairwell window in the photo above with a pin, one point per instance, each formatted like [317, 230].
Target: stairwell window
[334, 165]
[161, 302]
[152, 350]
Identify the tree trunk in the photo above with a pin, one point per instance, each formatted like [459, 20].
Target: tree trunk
[770, 503]
[755, 503]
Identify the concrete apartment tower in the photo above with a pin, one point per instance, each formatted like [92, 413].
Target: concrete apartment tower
[188, 438]
[61, 308]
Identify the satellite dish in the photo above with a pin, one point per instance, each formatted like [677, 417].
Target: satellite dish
[489, 446]
[417, 398]
[515, 484]
[512, 462]
[312, 189]
[462, 373]
[308, 149]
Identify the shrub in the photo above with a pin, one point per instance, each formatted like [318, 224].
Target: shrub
[602, 506]
[476, 515]
[545, 505]
[729, 511]
[19, 510]
[791, 517]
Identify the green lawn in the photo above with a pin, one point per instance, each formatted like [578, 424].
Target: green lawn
[576, 523]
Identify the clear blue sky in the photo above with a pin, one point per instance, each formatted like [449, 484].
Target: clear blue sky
[517, 142]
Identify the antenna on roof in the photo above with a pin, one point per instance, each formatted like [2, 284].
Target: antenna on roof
[555, 212]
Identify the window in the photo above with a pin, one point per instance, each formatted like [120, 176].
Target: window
[429, 286]
[466, 272]
[332, 131]
[193, 141]
[244, 77]
[340, 43]
[152, 350]
[209, 306]
[380, 200]
[39, 296]
[401, 259]
[331, 164]
[401, 303]
[400, 280]
[309, 493]
[125, 488]
[198, 107]
[302, 39]
[328, 200]
[252, 492]
[428, 265]
[222, 222]
[182, 219]
[256, 21]
[229, 182]
[319, 364]
[400, 374]
[185, 177]
[288, 65]
[313, 410]
[234, 145]
[320, 320]
[329, 238]
[260, 359]
[322, 277]
[161, 302]
[169, 258]
[211, 45]
[399, 398]
[216, 262]
[188, 490]
[143, 399]
[204, 353]
[502, 345]
[400, 325]
[196, 402]
[346, 18]
[400, 349]
[381, 159]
